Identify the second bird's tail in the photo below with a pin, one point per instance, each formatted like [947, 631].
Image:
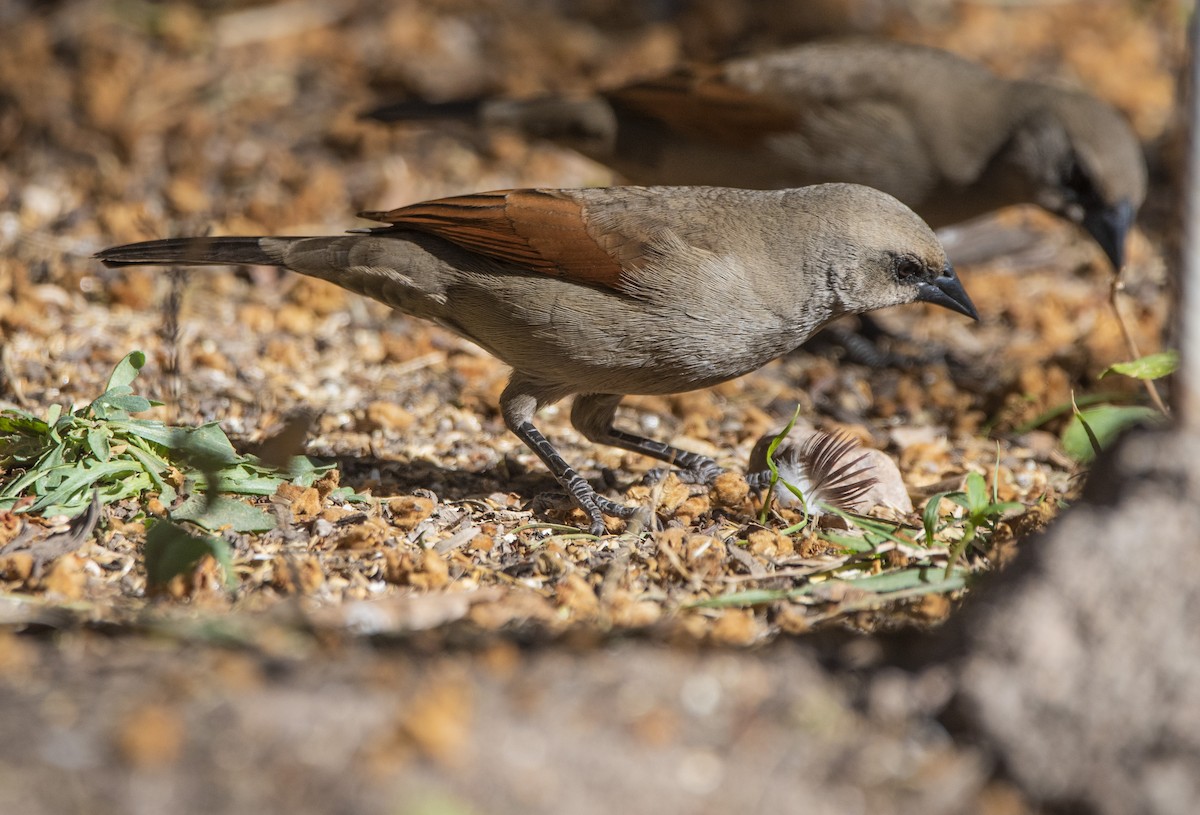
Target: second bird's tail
[414, 110]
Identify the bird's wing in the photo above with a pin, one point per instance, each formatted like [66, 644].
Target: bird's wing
[839, 130]
[700, 103]
[545, 231]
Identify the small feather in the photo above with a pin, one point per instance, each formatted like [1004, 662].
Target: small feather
[823, 466]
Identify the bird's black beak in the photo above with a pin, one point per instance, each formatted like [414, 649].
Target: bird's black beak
[945, 290]
[1109, 227]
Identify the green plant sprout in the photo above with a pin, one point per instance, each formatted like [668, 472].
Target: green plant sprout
[1091, 429]
[982, 513]
[53, 466]
[775, 477]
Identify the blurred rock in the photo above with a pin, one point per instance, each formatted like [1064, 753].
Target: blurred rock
[1083, 659]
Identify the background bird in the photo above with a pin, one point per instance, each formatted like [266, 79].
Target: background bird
[941, 133]
[613, 291]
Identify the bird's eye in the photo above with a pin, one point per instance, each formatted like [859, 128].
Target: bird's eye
[1078, 188]
[908, 269]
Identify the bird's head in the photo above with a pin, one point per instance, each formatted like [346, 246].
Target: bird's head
[887, 255]
[1085, 164]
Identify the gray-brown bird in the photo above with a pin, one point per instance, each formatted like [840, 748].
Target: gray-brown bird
[942, 134]
[605, 292]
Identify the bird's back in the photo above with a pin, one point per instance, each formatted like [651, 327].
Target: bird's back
[901, 118]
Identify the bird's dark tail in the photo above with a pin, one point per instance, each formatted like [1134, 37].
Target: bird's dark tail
[587, 124]
[191, 252]
[418, 111]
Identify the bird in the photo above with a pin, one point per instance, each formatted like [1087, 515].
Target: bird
[943, 134]
[599, 293]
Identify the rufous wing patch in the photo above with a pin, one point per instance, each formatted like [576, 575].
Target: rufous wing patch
[702, 103]
[542, 230]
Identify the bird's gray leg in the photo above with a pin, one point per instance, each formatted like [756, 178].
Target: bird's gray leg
[592, 415]
[519, 403]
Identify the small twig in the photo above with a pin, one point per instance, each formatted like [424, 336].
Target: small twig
[170, 342]
[957, 550]
[9, 374]
[615, 571]
[1113, 300]
[415, 364]
[874, 601]
[275, 21]
[818, 568]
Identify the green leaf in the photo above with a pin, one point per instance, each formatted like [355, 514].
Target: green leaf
[887, 582]
[1152, 366]
[980, 514]
[977, 493]
[171, 550]
[127, 402]
[1067, 407]
[97, 441]
[751, 597]
[223, 513]
[23, 439]
[787, 531]
[154, 468]
[14, 488]
[876, 529]
[852, 543]
[126, 371]
[998, 508]
[306, 471]
[348, 495]
[929, 517]
[907, 583]
[1105, 422]
[14, 421]
[206, 446]
[238, 482]
[152, 431]
[57, 461]
[73, 492]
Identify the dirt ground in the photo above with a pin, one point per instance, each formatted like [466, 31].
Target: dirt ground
[448, 644]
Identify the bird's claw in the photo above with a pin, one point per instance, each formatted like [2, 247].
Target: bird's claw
[759, 480]
[603, 506]
[704, 473]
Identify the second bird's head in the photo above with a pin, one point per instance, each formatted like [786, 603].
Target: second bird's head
[1084, 162]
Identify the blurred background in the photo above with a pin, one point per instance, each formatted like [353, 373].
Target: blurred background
[126, 116]
[123, 120]
[127, 120]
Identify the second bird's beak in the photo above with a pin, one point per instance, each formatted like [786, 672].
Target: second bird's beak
[945, 290]
[1109, 227]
